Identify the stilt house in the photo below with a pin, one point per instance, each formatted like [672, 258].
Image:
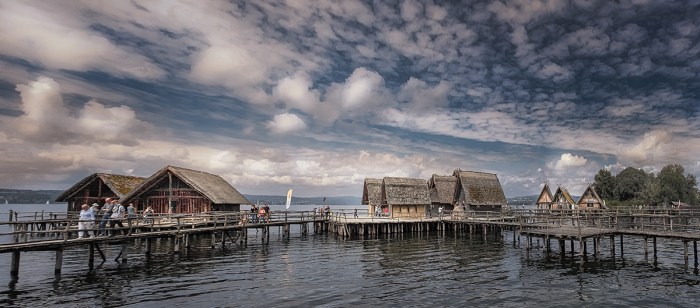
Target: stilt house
[479, 191]
[562, 200]
[405, 197]
[372, 194]
[180, 190]
[96, 187]
[443, 192]
[544, 201]
[590, 200]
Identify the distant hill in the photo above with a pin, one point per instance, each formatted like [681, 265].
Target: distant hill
[530, 200]
[270, 199]
[23, 196]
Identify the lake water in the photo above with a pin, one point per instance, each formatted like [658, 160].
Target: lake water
[321, 270]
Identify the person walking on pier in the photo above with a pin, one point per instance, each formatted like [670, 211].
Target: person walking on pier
[147, 215]
[106, 214]
[130, 215]
[266, 208]
[87, 221]
[253, 213]
[116, 218]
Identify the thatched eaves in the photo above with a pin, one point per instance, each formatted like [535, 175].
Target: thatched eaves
[405, 191]
[120, 185]
[372, 192]
[212, 186]
[443, 189]
[480, 188]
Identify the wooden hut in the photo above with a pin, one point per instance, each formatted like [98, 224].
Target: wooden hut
[96, 187]
[590, 200]
[372, 194]
[479, 191]
[443, 192]
[562, 200]
[544, 201]
[180, 190]
[405, 197]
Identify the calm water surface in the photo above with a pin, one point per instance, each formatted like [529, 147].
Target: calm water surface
[321, 270]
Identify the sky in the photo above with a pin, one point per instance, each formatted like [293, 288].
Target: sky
[319, 95]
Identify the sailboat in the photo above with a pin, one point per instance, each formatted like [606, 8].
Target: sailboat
[289, 198]
[6, 201]
[47, 201]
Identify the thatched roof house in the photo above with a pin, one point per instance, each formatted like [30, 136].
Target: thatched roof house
[182, 190]
[479, 190]
[405, 197]
[96, 187]
[562, 200]
[372, 194]
[443, 190]
[590, 200]
[544, 201]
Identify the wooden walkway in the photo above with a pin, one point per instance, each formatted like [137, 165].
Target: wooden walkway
[56, 233]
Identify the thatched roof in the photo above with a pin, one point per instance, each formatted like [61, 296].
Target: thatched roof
[212, 186]
[119, 184]
[563, 194]
[480, 188]
[443, 189]
[545, 196]
[405, 191]
[590, 196]
[372, 192]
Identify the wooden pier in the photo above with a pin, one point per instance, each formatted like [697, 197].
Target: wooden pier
[58, 233]
[581, 227]
[53, 232]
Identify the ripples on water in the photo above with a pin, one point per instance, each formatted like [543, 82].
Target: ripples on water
[321, 270]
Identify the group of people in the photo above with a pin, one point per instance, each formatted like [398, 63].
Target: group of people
[325, 211]
[260, 214]
[112, 212]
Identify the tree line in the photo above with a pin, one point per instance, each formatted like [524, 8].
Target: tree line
[634, 186]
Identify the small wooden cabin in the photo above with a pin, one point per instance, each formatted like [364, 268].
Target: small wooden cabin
[479, 191]
[405, 197]
[562, 200]
[544, 201]
[372, 194]
[443, 192]
[590, 200]
[97, 187]
[180, 190]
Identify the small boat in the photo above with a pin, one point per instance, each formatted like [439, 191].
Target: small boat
[47, 201]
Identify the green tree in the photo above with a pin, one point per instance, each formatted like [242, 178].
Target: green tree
[630, 183]
[673, 185]
[604, 183]
[692, 183]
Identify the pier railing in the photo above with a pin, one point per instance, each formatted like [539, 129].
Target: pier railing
[37, 226]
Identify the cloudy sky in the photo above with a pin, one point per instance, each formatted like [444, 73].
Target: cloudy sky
[318, 95]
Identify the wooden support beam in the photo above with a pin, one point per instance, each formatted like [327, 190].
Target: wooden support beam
[622, 247]
[14, 265]
[685, 252]
[59, 262]
[91, 257]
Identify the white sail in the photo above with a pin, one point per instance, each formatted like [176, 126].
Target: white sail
[289, 198]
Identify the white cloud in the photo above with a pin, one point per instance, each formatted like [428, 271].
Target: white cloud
[45, 39]
[296, 92]
[653, 143]
[421, 97]
[47, 119]
[569, 161]
[286, 123]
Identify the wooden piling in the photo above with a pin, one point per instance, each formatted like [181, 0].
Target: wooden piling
[14, 265]
[59, 262]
